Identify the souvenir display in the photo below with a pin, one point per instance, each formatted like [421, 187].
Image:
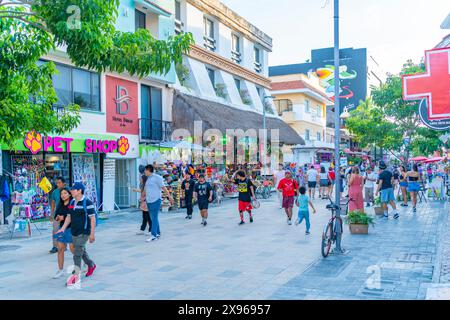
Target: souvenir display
[28, 200]
[84, 172]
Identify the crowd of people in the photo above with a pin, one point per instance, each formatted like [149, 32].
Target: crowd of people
[74, 216]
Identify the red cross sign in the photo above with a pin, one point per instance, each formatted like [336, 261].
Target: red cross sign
[433, 85]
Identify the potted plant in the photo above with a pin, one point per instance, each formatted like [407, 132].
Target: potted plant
[378, 208]
[358, 222]
[245, 96]
[221, 90]
[183, 73]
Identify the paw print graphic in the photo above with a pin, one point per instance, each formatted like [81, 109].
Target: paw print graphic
[33, 141]
[123, 145]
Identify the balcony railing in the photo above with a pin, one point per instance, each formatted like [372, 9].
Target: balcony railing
[155, 130]
[178, 26]
[236, 56]
[210, 43]
[258, 67]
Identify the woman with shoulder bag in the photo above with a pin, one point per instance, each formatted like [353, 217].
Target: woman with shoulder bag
[143, 206]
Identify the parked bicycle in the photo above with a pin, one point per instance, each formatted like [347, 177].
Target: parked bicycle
[329, 234]
[263, 192]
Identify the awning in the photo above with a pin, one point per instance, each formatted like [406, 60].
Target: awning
[187, 109]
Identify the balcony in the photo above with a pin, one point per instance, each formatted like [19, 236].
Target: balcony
[155, 130]
[178, 26]
[236, 56]
[258, 67]
[210, 43]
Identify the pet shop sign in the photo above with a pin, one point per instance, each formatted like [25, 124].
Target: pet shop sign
[35, 142]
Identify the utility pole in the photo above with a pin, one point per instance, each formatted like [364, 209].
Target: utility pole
[337, 127]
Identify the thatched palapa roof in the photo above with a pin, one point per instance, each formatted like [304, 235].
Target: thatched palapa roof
[187, 109]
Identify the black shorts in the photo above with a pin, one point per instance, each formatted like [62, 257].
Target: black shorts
[312, 184]
[203, 205]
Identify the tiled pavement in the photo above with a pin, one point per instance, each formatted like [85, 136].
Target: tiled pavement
[265, 260]
[395, 261]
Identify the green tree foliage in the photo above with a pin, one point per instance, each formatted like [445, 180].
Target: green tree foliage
[385, 119]
[30, 29]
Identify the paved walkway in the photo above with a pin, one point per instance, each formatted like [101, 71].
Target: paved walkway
[264, 260]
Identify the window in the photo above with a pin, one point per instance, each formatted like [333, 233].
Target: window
[258, 64]
[307, 106]
[152, 126]
[283, 105]
[73, 85]
[236, 48]
[319, 110]
[212, 76]
[238, 84]
[178, 23]
[178, 10]
[140, 20]
[210, 42]
[260, 94]
[319, 136]
[307, 135]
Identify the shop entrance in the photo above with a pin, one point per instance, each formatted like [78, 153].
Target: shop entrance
[124, 177]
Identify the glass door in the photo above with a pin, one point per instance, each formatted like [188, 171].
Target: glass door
[122, 196]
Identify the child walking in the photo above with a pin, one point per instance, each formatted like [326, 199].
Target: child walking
[303, 211]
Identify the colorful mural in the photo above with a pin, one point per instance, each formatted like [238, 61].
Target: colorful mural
[326, 76]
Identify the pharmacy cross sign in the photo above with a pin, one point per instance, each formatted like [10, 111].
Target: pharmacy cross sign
[433, 87]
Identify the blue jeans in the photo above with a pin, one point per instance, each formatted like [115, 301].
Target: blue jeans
[304, 215]
[153, 209]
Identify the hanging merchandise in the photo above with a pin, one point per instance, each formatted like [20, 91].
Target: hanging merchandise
[45, 185]
[84, 172]
[28, 173]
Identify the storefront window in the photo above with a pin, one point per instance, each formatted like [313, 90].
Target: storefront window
[57, 165]
[83, 170]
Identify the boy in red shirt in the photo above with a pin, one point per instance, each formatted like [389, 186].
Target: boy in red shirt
[289, 188]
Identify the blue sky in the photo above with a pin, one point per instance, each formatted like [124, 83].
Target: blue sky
[392, 30]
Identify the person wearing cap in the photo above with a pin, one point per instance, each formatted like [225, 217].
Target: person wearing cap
[386, 187]
[81, 218]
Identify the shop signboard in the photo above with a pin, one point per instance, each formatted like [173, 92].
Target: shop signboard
[433, 88]
[122, 106]
[36, 142]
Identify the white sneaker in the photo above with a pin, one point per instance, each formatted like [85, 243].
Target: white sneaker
[289, 222]
[151, 239]
[58, 274]
[297, 222]
[140, 232]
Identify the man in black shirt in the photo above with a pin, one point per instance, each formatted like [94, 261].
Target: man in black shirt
[386, 186]
[188, 188]
[246, 193]
[82, 220]
[203, 193]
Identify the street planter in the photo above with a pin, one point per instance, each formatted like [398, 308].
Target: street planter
[359, 228]
[379, 211]
[358, 222]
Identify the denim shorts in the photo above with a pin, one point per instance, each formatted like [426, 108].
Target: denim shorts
[387, 195]
[414, 187]
[404, 184]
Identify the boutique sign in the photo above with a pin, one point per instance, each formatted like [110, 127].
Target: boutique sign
[36, 142]
[121, 106]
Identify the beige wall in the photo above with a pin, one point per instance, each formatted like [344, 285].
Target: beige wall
[299, 98]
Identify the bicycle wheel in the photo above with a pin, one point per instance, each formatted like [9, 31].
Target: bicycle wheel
[327, 240]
